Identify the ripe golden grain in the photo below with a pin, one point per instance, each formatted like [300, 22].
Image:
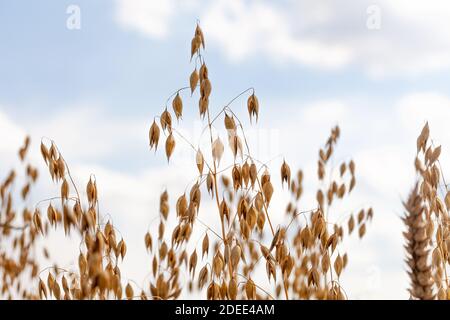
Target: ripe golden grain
[170, 146]
[177, 105]
[427, 224]
[193, 80]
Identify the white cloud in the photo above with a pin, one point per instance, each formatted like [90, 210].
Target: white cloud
[324, 35]
[149, 17]
[85, 131]
[244, 30]
[415, 109]
[330, 111]
[12, 136]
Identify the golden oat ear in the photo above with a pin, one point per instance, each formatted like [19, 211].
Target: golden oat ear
[193, 80]
[200, 161]
[253, 107]
[285, 173]
[170, 146]
[154, 136]
[205, 245]
[177, 105]
[217, 150]
[166, 120]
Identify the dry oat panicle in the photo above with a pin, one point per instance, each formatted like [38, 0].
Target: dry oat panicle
[302, 257]
[302, 260]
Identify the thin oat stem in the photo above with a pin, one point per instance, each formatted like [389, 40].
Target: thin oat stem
[175, 93]
[11, 227]
[209, 229]
[216, 191]
[58, 270]
[53, 198]
[302, 213]
[256, 285]
[226, 107]
[190, 144]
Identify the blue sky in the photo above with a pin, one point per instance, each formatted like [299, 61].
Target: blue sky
[313, 65]
[44, 63]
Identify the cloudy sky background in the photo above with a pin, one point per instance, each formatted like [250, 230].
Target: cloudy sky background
[314, 64]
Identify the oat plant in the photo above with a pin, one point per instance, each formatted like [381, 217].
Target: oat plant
[301, 258]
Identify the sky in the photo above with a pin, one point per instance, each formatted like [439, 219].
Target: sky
[379, 69]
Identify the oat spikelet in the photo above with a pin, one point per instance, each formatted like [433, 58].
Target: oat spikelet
[193, 80]
[170, 145]
[253, 107]
[199, 33]
[200, 161]
[217, 150]
[177, 105]
[285, 173]
[153, 135]
[417, 248]
[166, 120]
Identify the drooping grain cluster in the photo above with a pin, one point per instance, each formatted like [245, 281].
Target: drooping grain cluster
[316, 243]
[302, 263]
[428, 224]
[18, 234]
[98, 275]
